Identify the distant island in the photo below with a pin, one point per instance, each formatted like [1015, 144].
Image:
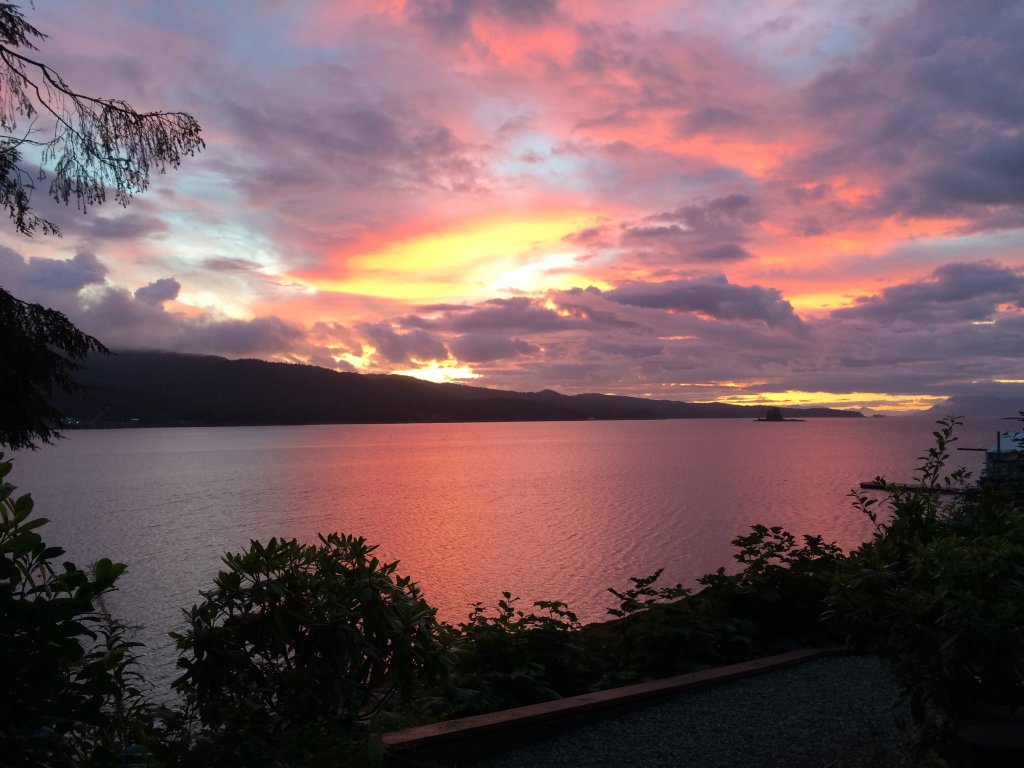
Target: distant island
[775, 414]
[172, 389]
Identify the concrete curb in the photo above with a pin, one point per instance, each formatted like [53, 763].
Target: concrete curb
[469, 739]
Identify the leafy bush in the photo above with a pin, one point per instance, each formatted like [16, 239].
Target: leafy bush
[778, 597]
[773, 603]
[939, 591]
[297, 639]
[657, 633]
[297, 646]
[642, 595]
[66, 668]
[507, 657]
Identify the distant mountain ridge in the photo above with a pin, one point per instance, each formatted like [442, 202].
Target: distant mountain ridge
[173, 389]
[988, 405]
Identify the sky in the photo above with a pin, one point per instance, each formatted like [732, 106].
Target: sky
[787, 202]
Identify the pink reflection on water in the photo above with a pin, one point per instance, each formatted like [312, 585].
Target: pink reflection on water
[555, 511]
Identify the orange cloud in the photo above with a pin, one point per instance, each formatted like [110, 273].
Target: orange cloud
[827, 271]
[654, 130]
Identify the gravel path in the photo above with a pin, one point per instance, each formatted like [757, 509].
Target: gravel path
[835, 711]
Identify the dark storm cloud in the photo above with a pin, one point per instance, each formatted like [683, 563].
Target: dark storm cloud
[159, 291]
[714, 297]
[698, 232]
[325, 360]
[707, 120]
[703, 231]
[601, 320]
[954, 293]
[909, 359]
[51, 282]
[357, 127]
[518, 315]
[620, 118]
[625, 350]
[918, 339]
[720, 253]
[228, 264]
[370, 133]
[402, 347]
[527, 13]
[368, 146]
[62, 275]
[415, 321]
[909, 377]
[486, 348]
[722, 217]
[586, 236]
[933, 107]
[122, 320]
[981, 350]
[989, 175]
[500, 321]
[336, 336]
[450, 20]
[641, 234]
[118, 320]
[984, 399]
[572, 376]
[11, 261]
[127, 226]
[431, 308]
[241, 337]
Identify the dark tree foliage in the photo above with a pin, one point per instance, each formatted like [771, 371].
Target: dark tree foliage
[302, 639]
[65, 669]
[93, 144]
[39, 348]
[88, 146]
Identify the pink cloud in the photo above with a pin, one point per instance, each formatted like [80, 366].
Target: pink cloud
[828, 155]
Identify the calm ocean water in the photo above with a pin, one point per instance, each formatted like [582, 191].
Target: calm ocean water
[554, 510]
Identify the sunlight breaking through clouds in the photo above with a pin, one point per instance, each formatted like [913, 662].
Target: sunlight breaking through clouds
[566, 195]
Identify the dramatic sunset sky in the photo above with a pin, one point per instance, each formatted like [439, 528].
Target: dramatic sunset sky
[753, 201]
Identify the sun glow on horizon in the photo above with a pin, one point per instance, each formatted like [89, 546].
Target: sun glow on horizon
[468, 260]
[638, 199]
[716, 384]
[440, 373]
[359, 362]
[819, 302]
[878, 401]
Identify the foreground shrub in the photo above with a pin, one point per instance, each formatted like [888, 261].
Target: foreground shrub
[774, 603]
[65, 667]
[507, 657]
[939, 592]
[297, 639]
[778, 597]
[659, 631]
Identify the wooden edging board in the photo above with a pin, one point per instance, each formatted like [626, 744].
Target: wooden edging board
[476, 737]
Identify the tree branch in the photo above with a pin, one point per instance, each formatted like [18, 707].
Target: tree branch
[96, 144]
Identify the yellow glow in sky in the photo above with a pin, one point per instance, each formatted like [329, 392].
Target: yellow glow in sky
[551, 271]
[818, 301]
[716, 384]
[878, 401]
[358, 361]
[468, 262]
[441, 373]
